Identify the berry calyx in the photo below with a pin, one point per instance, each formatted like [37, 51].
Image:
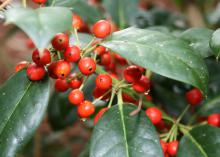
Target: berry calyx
[21, 65]
[142, 85]
[60, 41]
[132, 73]
[77, 22]
[154, 115]
[101, 29]
[85, 109]
[76, 97]
[99, 115]
[41, 59]
[214, 120]
[72, 54]
[61, 85]
[87, 66]
[62, 69]
[172, 148]
[103, 81]
[35, 72]
[194, 96]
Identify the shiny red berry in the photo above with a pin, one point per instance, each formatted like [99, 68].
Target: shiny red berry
[35, 72]
[120, 59]
[154, 114]
[106, 59]
[62, 69]
[77, 22]
[132, 73]
[75, 82]
[172, 148]
[100, 50]
[99, 115]
[194, 96]
[103, 81]
[60, 41]
[142, 85]
[41, 59]
[87, 66]
[214, 120]
[51, 70]
[72, 54]
[21, 65]
[61, 85]
[101, 29]
[39, 1]
[164, 146]
[85, 109]
[76, 97]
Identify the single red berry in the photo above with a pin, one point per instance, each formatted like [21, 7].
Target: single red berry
[61, 85]
[60, 41]
[76, 96]
[97, 93]
[99, 115]
[214, 120]
[75, 82]
[41, 59]
[72, 54]
[102, 29]
[51, 69]
[132, 73]
[35, 72]
[85, 109]
[172, 148]
[77, 22]
[164, 146]
[154, 114]
[148, 97]
[128, 98]
[103, 81]
[100, 50]
[142, 85]
[39, 1]
[62, 69]
[87, 65]
[120, 59]
[21, 65]
[161, 125]
[106, 59]
[194, 96]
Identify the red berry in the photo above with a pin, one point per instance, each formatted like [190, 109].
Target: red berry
[75, 82]
[164, 146]
[35, 72]
[85, 109]
[214, 120]
[21, 65]
[106, 59]
[102, 29]
[41, 59]
[30, 44]
[103, 81]
[172, 148]
[39, 1]
[99, 115]
[194, 96]
[148, 97]
[120, 59]
[154, 114]
[99, 92]
[132, 73]
[100, 50]
[61, 85]
[76, 96]
[87, 66]
[51, 70]
[77, 22]
[60, 41]
[142, 85]
[62, 69]
[128, 98]
[72, 54]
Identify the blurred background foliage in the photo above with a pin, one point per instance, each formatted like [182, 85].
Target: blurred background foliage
[62, 134]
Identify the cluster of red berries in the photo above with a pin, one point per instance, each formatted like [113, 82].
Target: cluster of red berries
[169, 149]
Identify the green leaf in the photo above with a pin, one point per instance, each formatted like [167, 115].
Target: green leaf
[161, 53]
[215, 42]
[89, 13]
[83, 38]
[202, 141]
[22, 106]
[117, 134]
[41, 24]
[198, 39]
[122, 11]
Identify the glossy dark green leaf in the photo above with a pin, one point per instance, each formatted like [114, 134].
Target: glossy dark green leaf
[41, 24]
[161, 53]
[89, 13]
[119, 135]
[121, 11]
[60, 112]
[215, 42]
[198, 39]
[22, 106]
[202, 141]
